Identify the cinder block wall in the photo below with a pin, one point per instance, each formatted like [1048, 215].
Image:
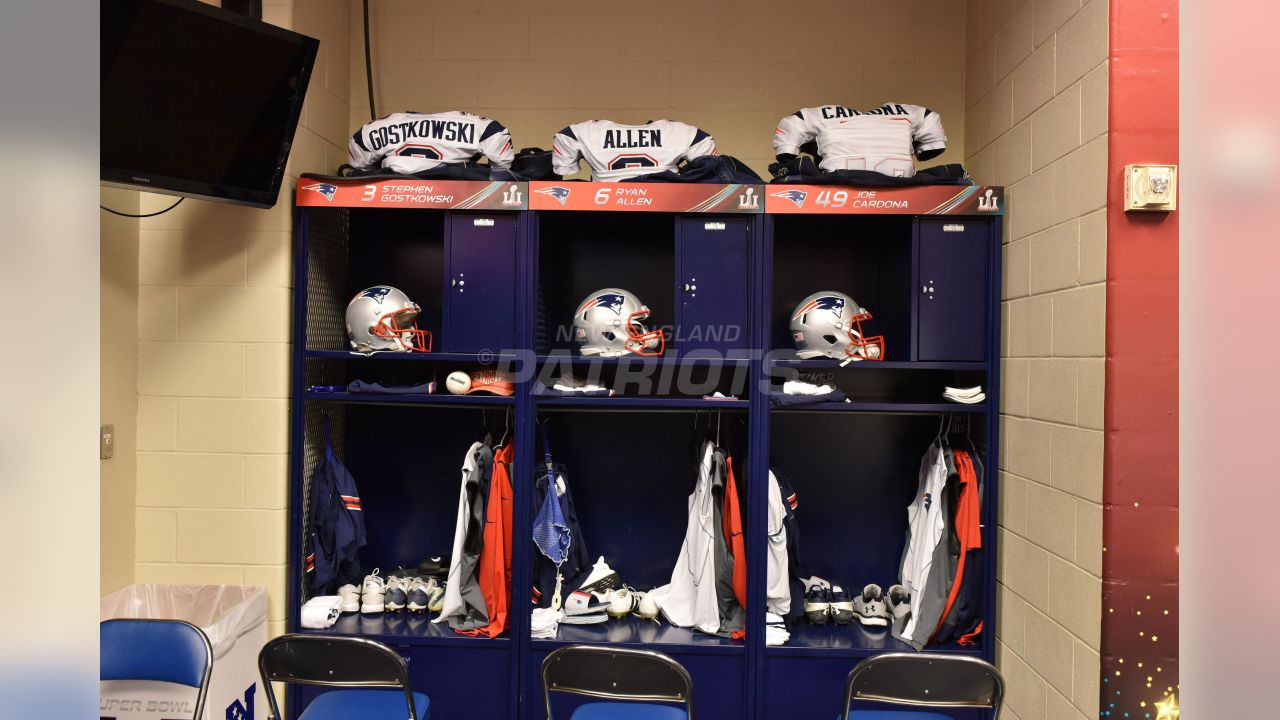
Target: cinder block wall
[214, 310]
[1036, 99]
[731, 67]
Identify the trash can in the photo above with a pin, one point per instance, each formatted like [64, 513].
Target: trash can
[235, 619]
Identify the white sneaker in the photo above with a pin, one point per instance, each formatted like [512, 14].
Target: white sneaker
[419, 593]
[349, 598]
[435, 598]
[623, 602]
[373, 593]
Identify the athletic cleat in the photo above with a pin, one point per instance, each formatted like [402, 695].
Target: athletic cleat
[435, 597]
[373, 593]
[623, 602]
[870, 607]
[647, 608]
[397, 594]
[419, 594]
[349, 598]
[601, 579]
[899, 602]
[841, 606]
[817, 604]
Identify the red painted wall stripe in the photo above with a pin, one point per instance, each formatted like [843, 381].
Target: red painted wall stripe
[1140, 490]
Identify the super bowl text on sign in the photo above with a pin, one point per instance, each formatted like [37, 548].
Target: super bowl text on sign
[646, 197]
[316, 191]
[848, 200]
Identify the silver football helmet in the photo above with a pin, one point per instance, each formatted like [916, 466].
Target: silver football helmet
[829, 324]
[384, 318]
[609, 322]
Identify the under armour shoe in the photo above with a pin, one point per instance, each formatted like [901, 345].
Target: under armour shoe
[349, 598]
[817, 604]
[841, 605]
[397, 594]
[870, 607]
[419, 593]
[601, 579]
[899, 602]
[373, 593]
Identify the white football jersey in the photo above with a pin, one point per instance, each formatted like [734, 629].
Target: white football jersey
[883, 140]
[621, 152]
[410, 142]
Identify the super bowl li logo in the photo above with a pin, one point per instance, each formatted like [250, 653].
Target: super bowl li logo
[512, 197]
[748, 200]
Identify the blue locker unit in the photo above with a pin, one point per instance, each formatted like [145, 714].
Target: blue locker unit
[953, 283]
[713, 286]
[480, 287]
[491, 276]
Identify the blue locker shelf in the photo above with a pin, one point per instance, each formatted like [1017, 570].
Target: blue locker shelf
[410, 357]
[850, 641]
[886, 408]
[828, 364]
[635, 631]
[629, 458]
[638, 403]
[434, 400]
[407, 628]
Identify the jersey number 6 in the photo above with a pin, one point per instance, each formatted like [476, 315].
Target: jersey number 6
[622, 162]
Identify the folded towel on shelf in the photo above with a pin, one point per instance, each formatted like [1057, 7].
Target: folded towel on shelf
[968, 396]
[775, 630]
[800, 392]
[321, 612]
[545, 623]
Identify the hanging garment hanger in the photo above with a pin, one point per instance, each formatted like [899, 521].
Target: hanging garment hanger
[718, 417]
[506, 428]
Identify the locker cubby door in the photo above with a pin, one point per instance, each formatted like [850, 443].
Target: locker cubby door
[952, 278]
[480, 284]
[712, 285]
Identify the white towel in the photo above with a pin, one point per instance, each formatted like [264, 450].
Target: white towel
[321, 612]
[545, 623]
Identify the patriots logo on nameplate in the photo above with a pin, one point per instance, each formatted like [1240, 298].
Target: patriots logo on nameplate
[328, 190]
[611, 301]
[561, 194]
[795, 196]
[826, 302]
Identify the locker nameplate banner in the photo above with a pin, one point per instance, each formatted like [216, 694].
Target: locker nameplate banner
[646, 197]
[849, 200]
[316, 191]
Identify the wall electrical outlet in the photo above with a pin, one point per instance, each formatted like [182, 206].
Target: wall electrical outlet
[107, 442]
[1150, 188]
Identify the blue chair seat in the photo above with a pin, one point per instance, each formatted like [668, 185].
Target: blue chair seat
[627, 711]
[895, 715]
[365, 704]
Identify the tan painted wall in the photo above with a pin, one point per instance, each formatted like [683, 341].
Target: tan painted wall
[731, 67]
[213, 357]
[1036, 92]
[118, 346]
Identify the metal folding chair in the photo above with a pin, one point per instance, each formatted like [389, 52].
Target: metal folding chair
[368, 672]
[634, 682]
[164, 650]
[923, 680]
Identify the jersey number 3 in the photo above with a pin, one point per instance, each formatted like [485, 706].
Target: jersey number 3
[422, 151]
[623, 162]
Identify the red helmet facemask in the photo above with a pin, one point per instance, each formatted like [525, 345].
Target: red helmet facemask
[402, 325]
[642, 342]
[860, 346]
